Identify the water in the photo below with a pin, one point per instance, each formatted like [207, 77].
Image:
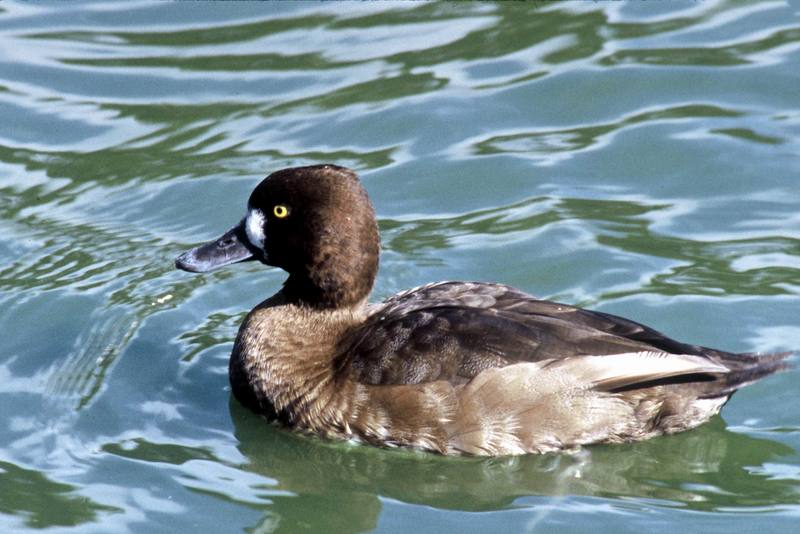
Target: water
[639, 158]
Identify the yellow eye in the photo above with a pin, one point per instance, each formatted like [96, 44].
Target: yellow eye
[280, 211]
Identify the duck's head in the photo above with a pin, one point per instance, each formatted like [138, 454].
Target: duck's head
[316, 223]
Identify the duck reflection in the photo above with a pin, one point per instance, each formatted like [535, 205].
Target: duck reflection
[338, 487]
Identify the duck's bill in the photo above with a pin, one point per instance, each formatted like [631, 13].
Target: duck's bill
[231, 247]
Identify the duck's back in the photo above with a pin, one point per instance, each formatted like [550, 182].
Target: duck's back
[455, 330]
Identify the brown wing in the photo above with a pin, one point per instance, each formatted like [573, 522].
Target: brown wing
[453, 330]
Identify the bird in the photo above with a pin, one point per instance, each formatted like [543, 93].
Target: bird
[456, 368]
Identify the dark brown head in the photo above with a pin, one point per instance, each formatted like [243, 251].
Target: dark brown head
[316, 223]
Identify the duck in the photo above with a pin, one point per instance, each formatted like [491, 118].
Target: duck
[456, 368]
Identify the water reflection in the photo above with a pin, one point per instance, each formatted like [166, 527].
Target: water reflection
[705, 470]
[44, 503]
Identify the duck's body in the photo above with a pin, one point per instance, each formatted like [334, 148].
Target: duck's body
[453, 367]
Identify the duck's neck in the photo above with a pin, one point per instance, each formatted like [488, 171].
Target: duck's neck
[329, 287]
[282, 360]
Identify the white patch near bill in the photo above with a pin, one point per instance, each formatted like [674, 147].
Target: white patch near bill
[254, 226]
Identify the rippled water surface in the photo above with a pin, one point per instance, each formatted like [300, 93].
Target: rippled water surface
[640, 158]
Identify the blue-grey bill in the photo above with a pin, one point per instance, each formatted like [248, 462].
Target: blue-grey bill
[231, 247]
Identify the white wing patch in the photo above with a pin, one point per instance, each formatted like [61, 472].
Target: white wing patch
[617, 370]
[254, 226]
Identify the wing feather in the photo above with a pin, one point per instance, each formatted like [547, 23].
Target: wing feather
[455, 330]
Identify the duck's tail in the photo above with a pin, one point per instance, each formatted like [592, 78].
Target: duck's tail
[746, 368]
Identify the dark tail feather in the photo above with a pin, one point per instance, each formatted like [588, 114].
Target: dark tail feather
[747, 368]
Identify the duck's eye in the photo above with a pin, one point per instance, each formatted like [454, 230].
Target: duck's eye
[280, 211]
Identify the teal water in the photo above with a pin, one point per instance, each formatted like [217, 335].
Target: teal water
[640, 158]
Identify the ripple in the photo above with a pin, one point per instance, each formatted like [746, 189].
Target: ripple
[551, 146]
[748, 135]
[168, 453]
[766, 265]
[81, 374]
[216, 329]
[759, 49]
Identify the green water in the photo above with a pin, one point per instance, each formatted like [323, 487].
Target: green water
[640, 158]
